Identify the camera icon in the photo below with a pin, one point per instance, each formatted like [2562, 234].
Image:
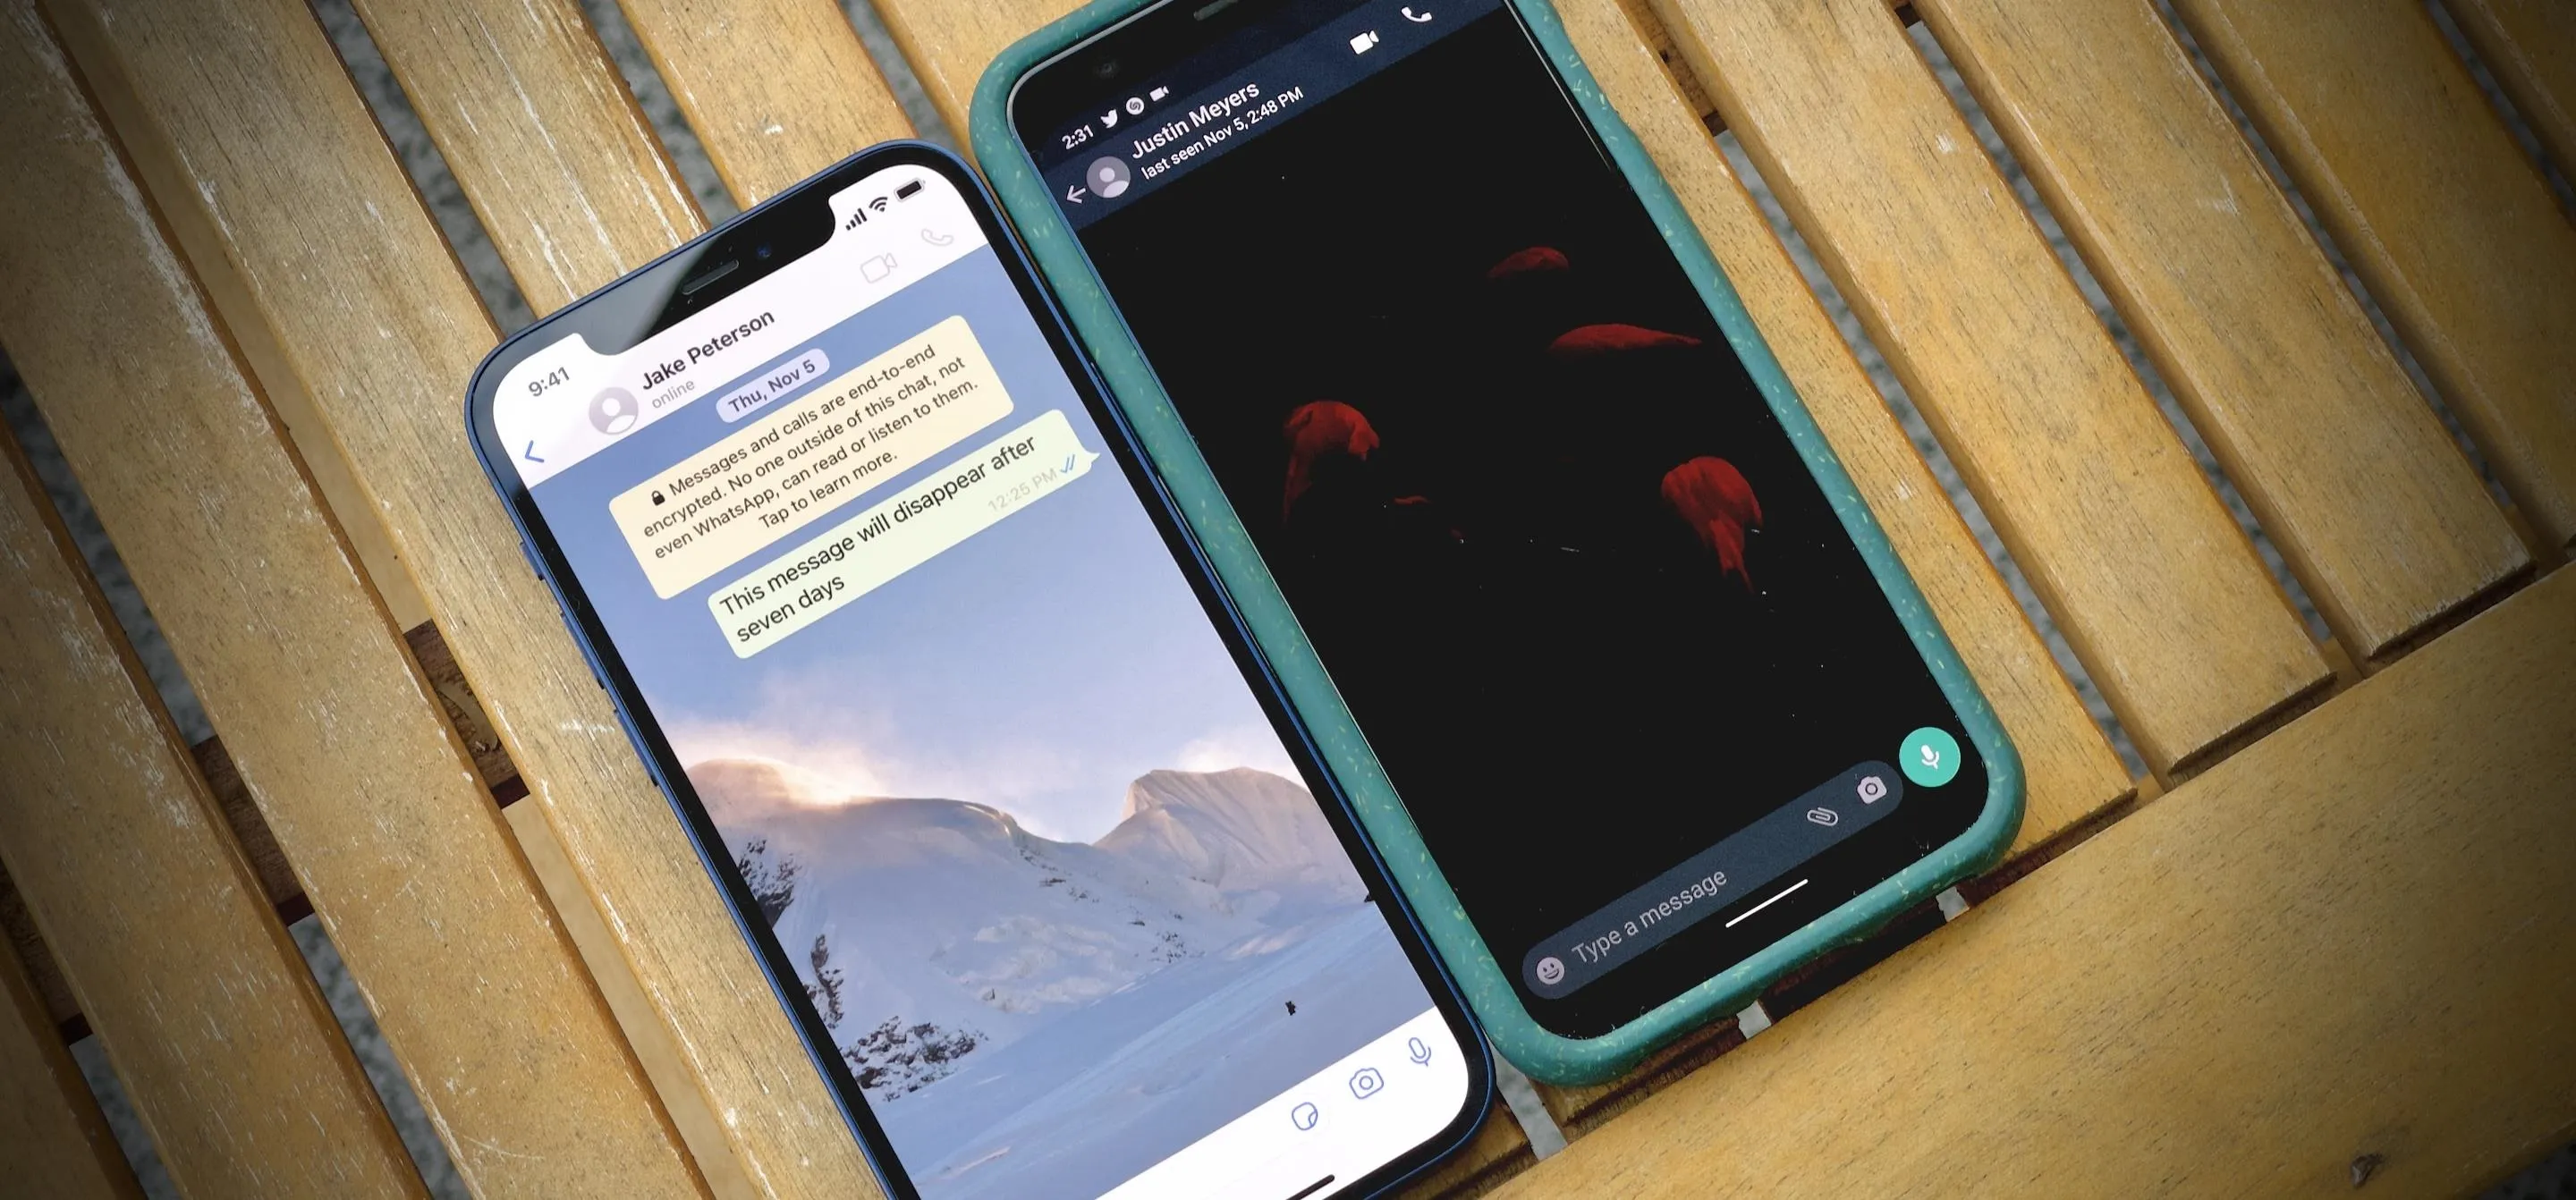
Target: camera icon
[1872, 789]
[1366, 1082]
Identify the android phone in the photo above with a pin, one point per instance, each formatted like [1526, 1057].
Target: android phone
[1006, 802]
[1662, 713]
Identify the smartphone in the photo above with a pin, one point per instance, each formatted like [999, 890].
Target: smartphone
[1656, 712]
[972, 743]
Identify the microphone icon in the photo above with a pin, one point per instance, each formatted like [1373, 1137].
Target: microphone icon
[1417, 1051]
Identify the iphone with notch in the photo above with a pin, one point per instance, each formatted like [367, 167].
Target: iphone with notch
[1045, 873]
[1638, 703]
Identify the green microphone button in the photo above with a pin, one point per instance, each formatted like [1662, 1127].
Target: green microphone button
[1930, 757]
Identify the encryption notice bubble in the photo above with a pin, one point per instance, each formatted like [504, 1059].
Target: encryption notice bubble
[810, 456]
[901, 532]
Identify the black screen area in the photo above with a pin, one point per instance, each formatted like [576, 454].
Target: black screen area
[1581, 593]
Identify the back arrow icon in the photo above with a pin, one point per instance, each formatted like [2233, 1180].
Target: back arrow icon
[532, 451]
[1075, 193]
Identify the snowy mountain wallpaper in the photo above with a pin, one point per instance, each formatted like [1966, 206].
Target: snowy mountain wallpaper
[1031, 840]
[1031, 1017]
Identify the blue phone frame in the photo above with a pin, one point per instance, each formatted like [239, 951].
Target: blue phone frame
[1139, 395]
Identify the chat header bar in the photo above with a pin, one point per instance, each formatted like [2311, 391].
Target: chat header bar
[567, 402]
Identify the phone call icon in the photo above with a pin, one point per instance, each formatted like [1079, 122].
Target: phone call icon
[1417, 18]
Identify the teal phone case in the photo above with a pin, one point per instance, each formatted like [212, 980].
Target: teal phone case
[1139, 395]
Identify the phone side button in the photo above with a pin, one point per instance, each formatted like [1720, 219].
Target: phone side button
[530, 553]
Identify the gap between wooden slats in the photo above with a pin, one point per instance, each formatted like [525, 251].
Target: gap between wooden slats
[111, 838]
[2334, 944]
[2531, 47]
[2441, 214]
[2161, 596]
[510, 90]
[355, 769]
[2314, 420]
[258, 133]
[53, 1141]
[776, 89]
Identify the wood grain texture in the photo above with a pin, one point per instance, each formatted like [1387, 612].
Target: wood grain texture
[2349, 938]
[2348, 469]
[331, 252]
[2157, 591]
[540, 132]
[2530, 45]
[53, 1142]
[2440, 213]
[776, 89]
[1497, 1151]
[949, 45]
[2071, 770]
[201, 1001]
[332, 728]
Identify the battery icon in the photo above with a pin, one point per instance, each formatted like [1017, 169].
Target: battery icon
[905, 192]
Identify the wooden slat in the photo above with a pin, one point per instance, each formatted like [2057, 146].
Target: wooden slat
[2147, 575]
[2348, 939]
[335, 732]
[1497, 1151]
[201, 1001]
[2440, 213]
[518, 96]
[2350, 472]
[53, 1142]
[776, 89]
[244, 107]
[949, 45]
[2530, 45]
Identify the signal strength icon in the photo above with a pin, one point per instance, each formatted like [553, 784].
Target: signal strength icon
[859, 216]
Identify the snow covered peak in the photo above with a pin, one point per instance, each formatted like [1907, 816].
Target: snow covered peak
[1237, 831]
[748, 789]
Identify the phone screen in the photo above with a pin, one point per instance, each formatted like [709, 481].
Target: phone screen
[1003, 796]
[1599, 624]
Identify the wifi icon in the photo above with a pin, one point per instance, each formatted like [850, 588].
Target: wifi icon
[877, 205]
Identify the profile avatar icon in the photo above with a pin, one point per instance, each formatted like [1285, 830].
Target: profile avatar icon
[613, 411]
[1107, 176]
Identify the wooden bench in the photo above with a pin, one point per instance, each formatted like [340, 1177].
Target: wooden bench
[2325, 940]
